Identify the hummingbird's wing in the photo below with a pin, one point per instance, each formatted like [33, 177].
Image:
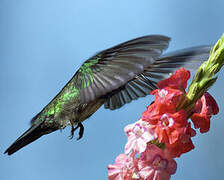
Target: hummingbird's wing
[145, 82]
[114, 67]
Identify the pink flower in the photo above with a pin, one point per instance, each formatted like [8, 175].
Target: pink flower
[155, 109]
[177, 81]
[123, 169]
[138, 134]
[156, 164]
[205, 107]
[184, 143]
[168, 96]
[166, 101]
[169, 126]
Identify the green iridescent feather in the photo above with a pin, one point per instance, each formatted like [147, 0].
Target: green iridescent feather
[86, 71]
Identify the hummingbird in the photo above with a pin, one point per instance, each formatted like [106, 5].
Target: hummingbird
[113, 78]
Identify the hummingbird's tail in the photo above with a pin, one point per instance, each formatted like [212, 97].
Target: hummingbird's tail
[33, 133]
[163, 67]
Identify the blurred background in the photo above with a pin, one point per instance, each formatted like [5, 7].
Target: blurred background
[44, 42]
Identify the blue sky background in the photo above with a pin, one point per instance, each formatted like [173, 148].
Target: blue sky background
[43, 43]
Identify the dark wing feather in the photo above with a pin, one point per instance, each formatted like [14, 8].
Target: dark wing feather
[114, 67]
[146, 81]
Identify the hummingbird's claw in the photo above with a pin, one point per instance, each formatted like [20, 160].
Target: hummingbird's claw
[81, 131]
[72, 131]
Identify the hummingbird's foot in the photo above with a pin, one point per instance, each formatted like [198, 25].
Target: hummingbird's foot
[81, 131]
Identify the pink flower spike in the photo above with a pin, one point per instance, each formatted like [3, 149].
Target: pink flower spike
[138, 134]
